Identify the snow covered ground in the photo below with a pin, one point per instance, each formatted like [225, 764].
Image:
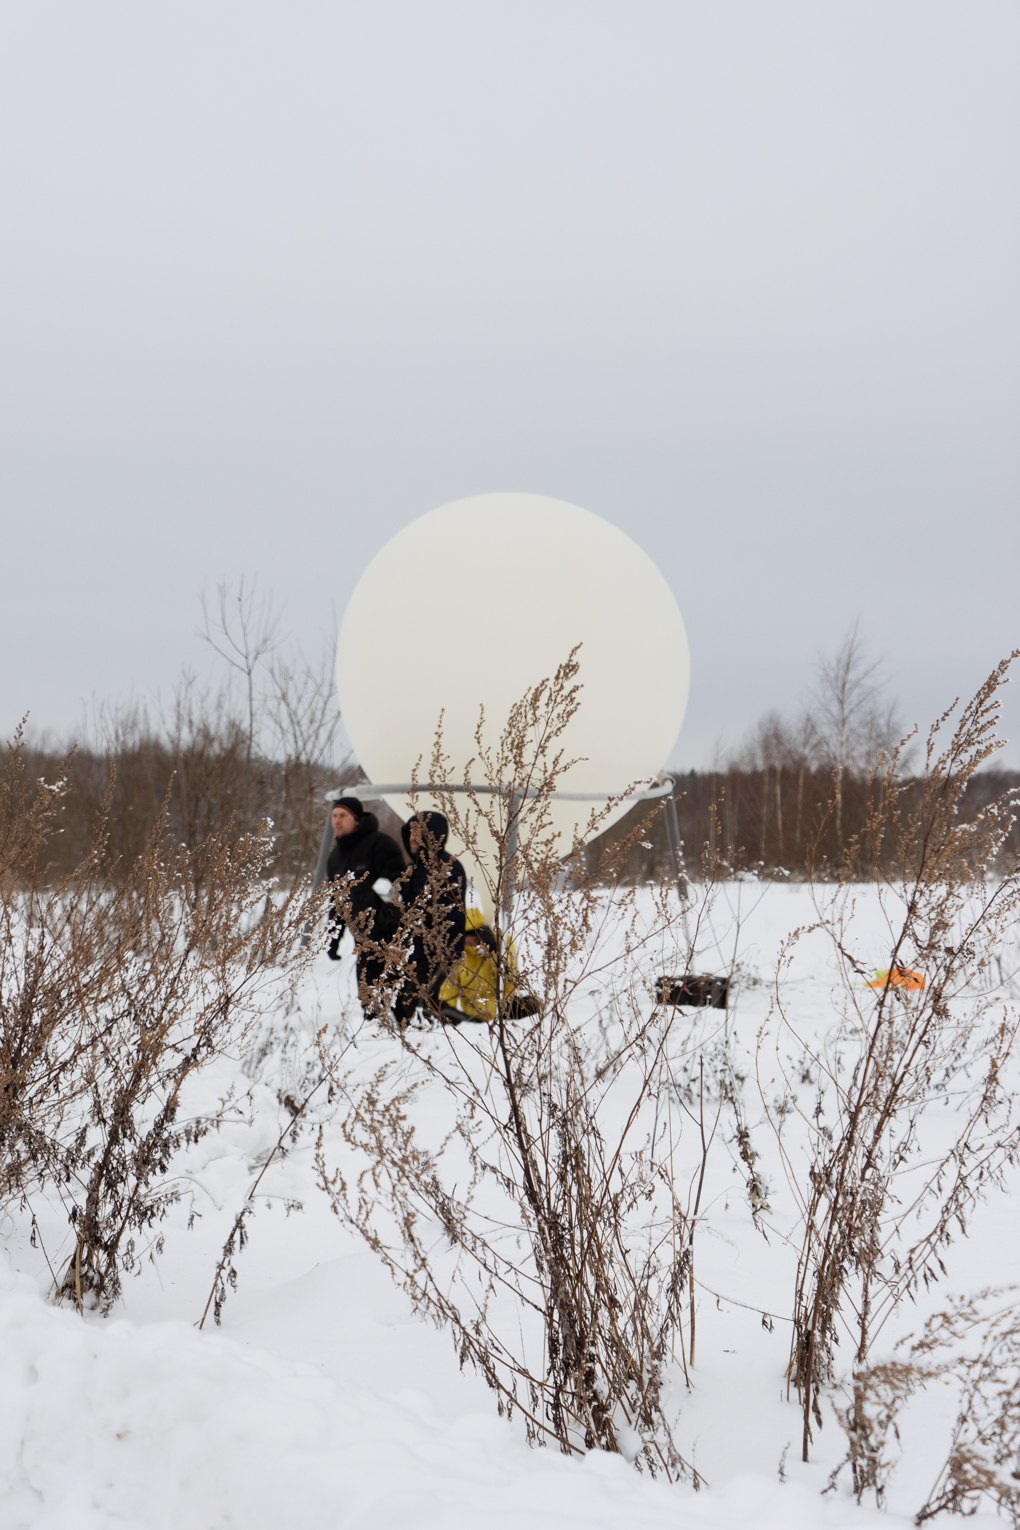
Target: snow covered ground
[322, 1401]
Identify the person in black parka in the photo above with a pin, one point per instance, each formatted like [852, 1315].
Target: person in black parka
[433, 893]
[362, 855]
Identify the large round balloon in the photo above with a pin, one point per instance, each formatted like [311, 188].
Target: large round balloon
[475, 603]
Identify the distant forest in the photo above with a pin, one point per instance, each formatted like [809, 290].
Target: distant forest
[782, 822]
[798, 798]
[785, 820]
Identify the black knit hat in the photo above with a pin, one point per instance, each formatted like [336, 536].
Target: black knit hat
[352, 805]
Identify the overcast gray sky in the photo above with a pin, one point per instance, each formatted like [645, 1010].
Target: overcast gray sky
[742, 278]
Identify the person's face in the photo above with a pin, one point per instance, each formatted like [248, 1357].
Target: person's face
[343, 821]
[414, 838]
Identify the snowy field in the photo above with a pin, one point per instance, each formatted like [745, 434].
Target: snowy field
[322, 1400]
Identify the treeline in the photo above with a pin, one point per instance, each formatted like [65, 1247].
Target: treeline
[784, 822]
[255, 742]
[788, 820]
[797, 798]
[185, 792]
[809, 796]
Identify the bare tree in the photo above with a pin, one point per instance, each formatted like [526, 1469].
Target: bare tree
[291, 719]
[853, 722]
[300, 725]
[243, 628]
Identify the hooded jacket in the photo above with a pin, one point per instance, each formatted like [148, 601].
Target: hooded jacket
[433, 893]
[359, 859]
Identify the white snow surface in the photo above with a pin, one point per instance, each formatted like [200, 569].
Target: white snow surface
[323, 1401]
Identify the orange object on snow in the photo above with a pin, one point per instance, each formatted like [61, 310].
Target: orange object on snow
[898, 977]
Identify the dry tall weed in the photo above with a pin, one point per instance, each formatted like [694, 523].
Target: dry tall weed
[972, 1348]
[878, 1213]
[550, 1227]
[118, 981]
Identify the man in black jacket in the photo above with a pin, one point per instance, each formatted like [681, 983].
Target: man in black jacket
[432, 894]
[362, 856]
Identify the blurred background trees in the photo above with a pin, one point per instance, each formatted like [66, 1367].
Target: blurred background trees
[257, 742]
[798, 797]
[261, 741]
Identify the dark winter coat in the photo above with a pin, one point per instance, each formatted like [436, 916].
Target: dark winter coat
[433, 893]
[357, 860]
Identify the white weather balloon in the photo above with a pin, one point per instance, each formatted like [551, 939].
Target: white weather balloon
[476, 602]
